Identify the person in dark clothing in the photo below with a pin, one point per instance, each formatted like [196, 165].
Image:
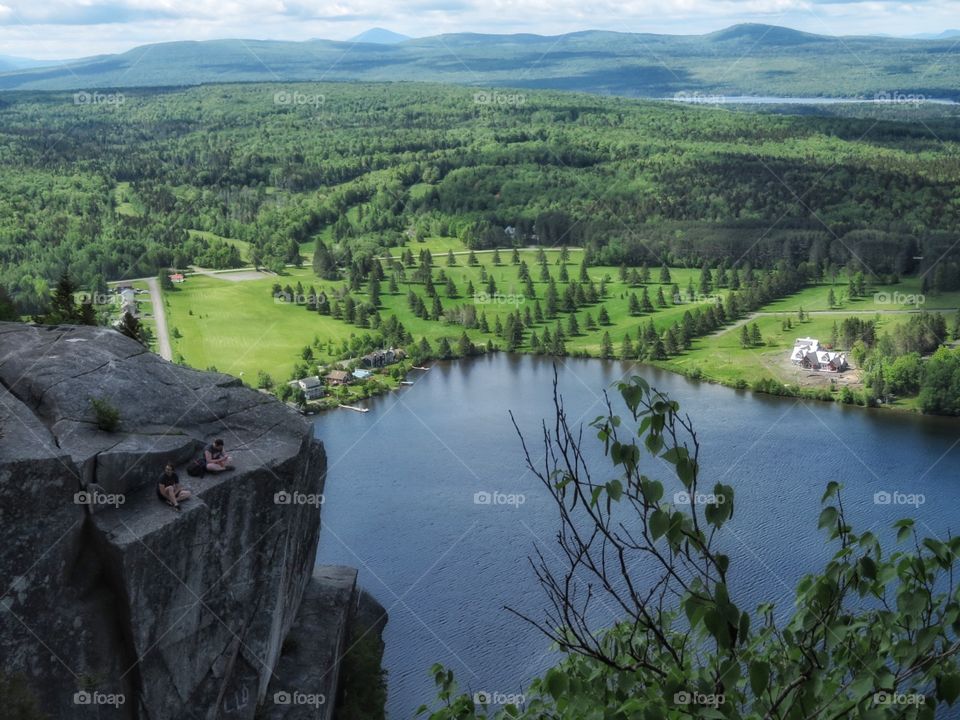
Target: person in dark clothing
[170, 489]
[217, 459]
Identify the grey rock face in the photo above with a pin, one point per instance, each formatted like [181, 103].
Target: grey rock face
[305, 683]
[179, 614]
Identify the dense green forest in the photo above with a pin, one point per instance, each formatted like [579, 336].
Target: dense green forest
[122, 187]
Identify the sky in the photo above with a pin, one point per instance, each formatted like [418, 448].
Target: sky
[60, 29]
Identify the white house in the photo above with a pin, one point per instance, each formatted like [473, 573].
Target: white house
[312, 387]
[808, 353]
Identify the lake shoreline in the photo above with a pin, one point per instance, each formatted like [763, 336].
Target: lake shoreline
[789, 391]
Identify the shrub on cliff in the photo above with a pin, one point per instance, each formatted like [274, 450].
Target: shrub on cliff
[106, 415]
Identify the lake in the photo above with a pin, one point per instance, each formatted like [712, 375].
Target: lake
[402, 480]
[897, 98]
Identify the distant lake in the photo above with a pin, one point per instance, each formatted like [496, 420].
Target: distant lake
[402, 480]
[886, 99]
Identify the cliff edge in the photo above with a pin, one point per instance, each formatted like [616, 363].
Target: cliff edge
[114, 604]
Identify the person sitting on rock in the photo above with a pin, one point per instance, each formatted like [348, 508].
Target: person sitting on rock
[170, 489]
[217, 459]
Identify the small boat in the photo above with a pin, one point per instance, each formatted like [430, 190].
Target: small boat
[414, 367]
[406, 382]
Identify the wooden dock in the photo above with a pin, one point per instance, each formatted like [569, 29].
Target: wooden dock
[354, 407]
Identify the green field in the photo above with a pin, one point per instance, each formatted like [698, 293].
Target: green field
[239, 329]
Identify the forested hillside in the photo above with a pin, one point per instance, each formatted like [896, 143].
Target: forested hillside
[746, 59]
[125, 184]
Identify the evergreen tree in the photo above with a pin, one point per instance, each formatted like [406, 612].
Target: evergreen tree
[465, 348]
[444, 351]
[670, 345]
[573, 327]
[131, 327]
[451, 259]
[744, 336]
[634, 304]
[661, 300]
[755, 337]
[626, 349]
[664, 274]
[645, 304]
[602, 317]
[606, 346]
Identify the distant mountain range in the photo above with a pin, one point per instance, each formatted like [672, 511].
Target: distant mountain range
[9, 62]
[746, 59]
[379, 36]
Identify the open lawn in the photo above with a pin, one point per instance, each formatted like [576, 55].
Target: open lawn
[239, 328]
[904, 295]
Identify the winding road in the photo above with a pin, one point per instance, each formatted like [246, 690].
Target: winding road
[160, 318]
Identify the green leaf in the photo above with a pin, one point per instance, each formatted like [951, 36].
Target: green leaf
[614, 490]
[828, 517]
[659, 522]
[759, 676]
[556, 683]
[833, 487]
[948, 687]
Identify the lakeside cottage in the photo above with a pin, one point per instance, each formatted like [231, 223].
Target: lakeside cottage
[381, 358]
[338, 377]
[177, 277]
[312, 387]
[810, 355]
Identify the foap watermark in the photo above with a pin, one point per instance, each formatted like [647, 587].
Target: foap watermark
[483, 697]
[899, 98]
[295, 298]
[95, 497]
[499, 98]
[95, 697]
[293, 98]
[898, 498]
[98, 298]
[684, 697]
[498, 498]
[482, 298]
[284, 697]
[895, 698]
[297, 498]
[695, 299]
[98, 98]
[899, 298]
[685, 498]
[699, 98]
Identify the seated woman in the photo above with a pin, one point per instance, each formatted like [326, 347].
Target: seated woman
[217, 460]
[169, 487]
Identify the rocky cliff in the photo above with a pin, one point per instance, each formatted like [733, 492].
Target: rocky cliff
[114, 604]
